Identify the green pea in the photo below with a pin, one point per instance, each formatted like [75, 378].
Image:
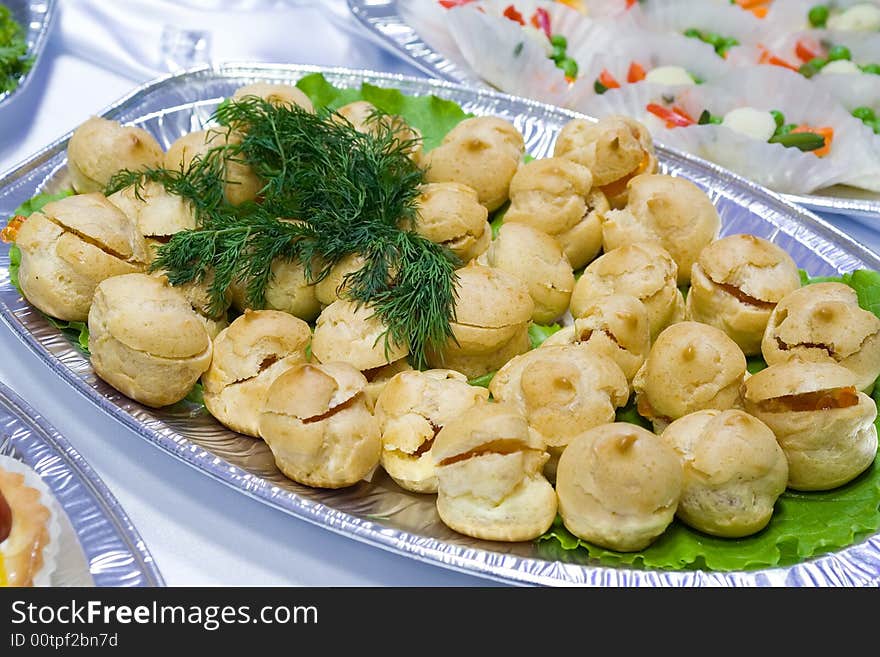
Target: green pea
[875, 126]
[558, 54]
[786, 129]
[864, 113]
[693, 33]
[838, 53]
[570, 67]
[779, 117]
[559, 41]
[873, 69]
[818, 15]
[714, 38]
[716, 120]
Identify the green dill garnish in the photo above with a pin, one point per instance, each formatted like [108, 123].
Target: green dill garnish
[329, 191]
[14, 60]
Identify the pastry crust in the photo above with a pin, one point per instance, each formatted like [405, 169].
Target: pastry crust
[823, 423]
[618, 486]
[71, 246]
[362, 115]
[153, 210]
[99, 148]
[691, 367]
[277, 94]
[555, 195]
[288, 290]
[736, 283]
[21, 554]
[248, 356]
[614, 149]
[490, 484]
[645, 271]
[145, 339]
[537, 260]
[333, 285]
[734, 471]
[352, 333]
[317, 424]
[823, 323]
[481, 152]
[671, 211]
[412, 409]
[450, 214]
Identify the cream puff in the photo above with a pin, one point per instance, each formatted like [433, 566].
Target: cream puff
[618, 486]
[450, 214]
[276, 94]
[353, 333]
[823, 423]
[734, 471]
[288, 290]
[317, 424]
[249, 355]
[489, 481]
[735, 285]
[412, 409]
[366, 117]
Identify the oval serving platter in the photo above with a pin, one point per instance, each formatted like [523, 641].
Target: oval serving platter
[99, 546]
[35, 17]
[383, 20]
[379, 512]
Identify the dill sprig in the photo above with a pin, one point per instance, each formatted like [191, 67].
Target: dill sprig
[14, 59]
[330, 191]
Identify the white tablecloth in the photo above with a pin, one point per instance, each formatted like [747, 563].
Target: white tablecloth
[199, 531]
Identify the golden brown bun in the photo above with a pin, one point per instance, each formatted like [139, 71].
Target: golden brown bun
[154, 211]
[364, 118]
[691, 367]
[668, 210]
[618, 486]
[248, 356]
[537, 260]
[145, 339]
[487, 349]
[451, 214]
[99, 148]
[482, 152]
[645, 271]
[734, 471]
[277, 94]
[614, 149]
[318, 427]
[826, 447]
[332, 286]
[412, 408]
[554, 195]
[490, 484]
[288, 290]
[70, 247]
[379, 377]
[561, 391]
[824, 323]
[353, 334]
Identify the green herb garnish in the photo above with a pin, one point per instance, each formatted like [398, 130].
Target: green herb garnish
[14, 60]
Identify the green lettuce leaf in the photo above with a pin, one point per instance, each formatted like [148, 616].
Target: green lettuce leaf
[539, 332]
[483, 381]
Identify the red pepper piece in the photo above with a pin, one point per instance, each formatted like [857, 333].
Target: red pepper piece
[511, 13]
[675, 117]
[636, 73]
[607, 80]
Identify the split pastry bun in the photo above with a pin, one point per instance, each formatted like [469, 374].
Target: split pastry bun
[645, 271]
[450, 214]
[691, 367]
[333, 286]
[155, 212]
[248, 356]
[537, 260]
[276, 94]
[354, 334]
[318, 426]
[365, 117]
[482, 152]
[734, 471]
[489, 477]
[99, 148]
[412, 409]
[824, 323]
[146, 340]
[555, 195]
[69, 247]
[614, 148]
[288, 290]
[492, 312]
[823, 423]
[668, 210]
[735, 285]
[619, 486]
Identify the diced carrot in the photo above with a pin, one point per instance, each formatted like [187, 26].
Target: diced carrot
[761, 11]
[511, 13]
[825, 131]
[10, 231]
[636, 73]
[807, 49]
[674, 117]
[449, 4]
[768, 57]
[607, 80]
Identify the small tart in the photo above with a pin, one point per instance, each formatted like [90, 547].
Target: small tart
[29, 534]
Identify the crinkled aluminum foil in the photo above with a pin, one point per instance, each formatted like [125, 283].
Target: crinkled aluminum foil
[380, 513]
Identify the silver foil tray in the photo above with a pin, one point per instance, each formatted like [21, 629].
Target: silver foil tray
[98, 544]
[383, 21]
[379, 512]
[35, 17]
